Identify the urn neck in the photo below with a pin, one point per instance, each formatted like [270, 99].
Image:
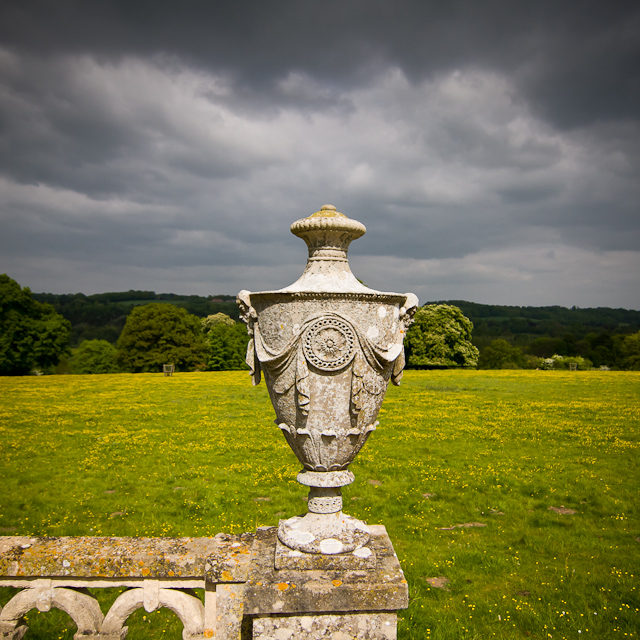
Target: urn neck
[328, 246]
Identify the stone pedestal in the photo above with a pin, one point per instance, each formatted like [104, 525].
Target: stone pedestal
[340, 596]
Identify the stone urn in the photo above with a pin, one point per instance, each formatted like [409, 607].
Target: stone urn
[328, 347]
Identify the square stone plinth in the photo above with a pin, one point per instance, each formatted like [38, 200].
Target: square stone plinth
[360, 626]
[381, 588]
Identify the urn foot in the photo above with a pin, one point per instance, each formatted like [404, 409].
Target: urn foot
[325, 533]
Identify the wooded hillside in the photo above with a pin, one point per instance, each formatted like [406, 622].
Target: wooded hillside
[594, 334]
[545, 331]
[102, 316]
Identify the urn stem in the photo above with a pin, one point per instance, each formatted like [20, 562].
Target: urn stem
[325, 499]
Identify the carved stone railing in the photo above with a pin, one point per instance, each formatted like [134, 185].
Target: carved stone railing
[254, 588]
[158, 572]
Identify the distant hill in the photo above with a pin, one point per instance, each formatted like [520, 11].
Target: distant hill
[495, 320]
[102, 315]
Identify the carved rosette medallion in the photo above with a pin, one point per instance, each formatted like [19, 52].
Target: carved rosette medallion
[329, 344]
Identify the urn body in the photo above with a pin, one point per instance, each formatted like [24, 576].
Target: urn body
[327, 346]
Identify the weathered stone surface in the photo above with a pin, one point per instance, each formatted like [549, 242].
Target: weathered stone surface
[286, 558]
[324, 533]
[224, 558]
[188, 608]
[369, 626]
[272, 591]
[87, 615]
[328, 347]
[333, 589]
[229, 611]
[83, 609]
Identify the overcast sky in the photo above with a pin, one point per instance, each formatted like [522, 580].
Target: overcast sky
[492, 149]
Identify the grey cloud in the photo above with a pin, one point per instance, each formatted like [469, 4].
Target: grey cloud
[577, 62]
[149, 136]
[64, 126]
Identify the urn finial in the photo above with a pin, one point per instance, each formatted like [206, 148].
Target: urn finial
[328, 234]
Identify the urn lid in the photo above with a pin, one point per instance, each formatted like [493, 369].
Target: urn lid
[328, 234]
[327, 220]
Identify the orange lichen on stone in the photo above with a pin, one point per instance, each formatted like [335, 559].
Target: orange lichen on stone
[126, 557]
[381, 587]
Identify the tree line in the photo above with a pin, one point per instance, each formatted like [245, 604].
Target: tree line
[102, 316]
[530, 337]
[140, 331]
[134, 331]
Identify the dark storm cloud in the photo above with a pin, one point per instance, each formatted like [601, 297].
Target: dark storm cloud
[59, 125]
[495, 144]
[577, 62]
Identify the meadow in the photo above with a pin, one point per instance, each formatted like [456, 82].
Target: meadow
[542, 466]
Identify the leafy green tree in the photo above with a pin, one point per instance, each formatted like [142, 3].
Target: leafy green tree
[630, 352]
[161, 333]
[95, 356]
[440, 337]
[217, 318]
[227, 346]
[501, 355]
[32, 334]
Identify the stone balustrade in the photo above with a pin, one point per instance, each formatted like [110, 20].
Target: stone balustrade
[254, 588]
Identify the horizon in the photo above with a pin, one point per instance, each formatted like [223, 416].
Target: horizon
[229, 295]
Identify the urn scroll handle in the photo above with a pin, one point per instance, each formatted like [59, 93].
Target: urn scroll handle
[407, 311]
[249, 316]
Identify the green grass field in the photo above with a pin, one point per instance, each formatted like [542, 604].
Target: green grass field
[198, 453]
